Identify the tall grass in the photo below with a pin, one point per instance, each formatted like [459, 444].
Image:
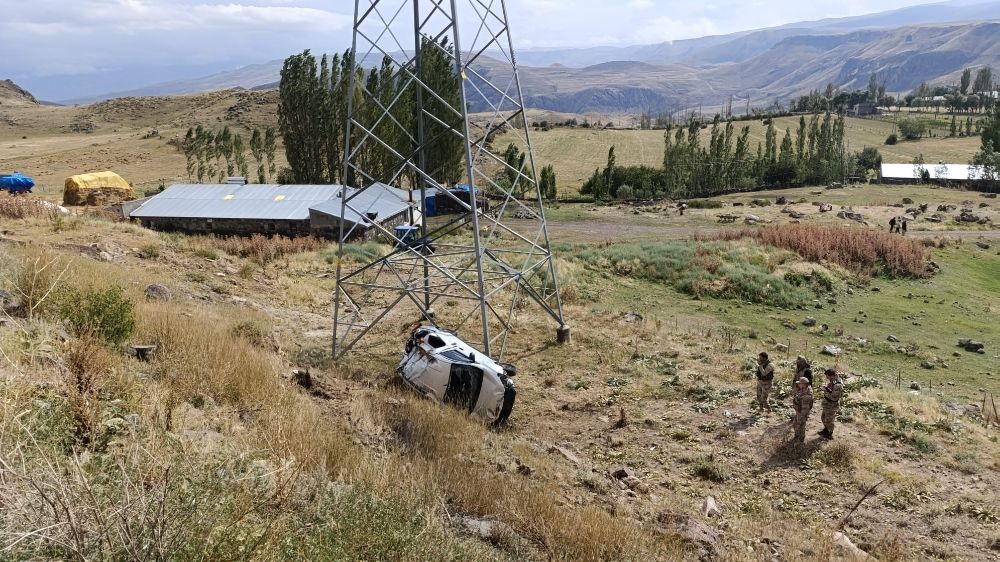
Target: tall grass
[714, 269]
[265, 249]
[865, 252]
[23, 207]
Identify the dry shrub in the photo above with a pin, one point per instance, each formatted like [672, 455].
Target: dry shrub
[840, 455]
[86, 368]
[265, 249]
[863, 251]
[536, 512]
[198, 353]
[33, 278]
[24, 207]
[438, 455]
[291, 426]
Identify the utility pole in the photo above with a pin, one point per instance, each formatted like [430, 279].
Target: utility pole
[493, 254]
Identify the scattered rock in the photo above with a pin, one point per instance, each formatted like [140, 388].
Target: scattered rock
[710, 508]
[850, 215]
[914, 385]
[789, 325]
[156, 292]
[927, 364]
[302, 378]
[809, 322]
[8, 304]
[482, 528]
[972, 345]
[632, 317]
[636, 485]
[892, 339]
[566, 453]
[848, 548]
[832, 350]
[688, 529]
[831, 300]
[621, 472]
[781, 348]
[982, 245]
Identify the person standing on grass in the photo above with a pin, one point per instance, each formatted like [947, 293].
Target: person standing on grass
[892, 225]
[803, 403]
[903, 228]
[802, 370]
[765, 376]
[832, 393]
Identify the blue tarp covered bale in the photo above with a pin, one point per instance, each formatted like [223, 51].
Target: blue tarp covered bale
[16, 183]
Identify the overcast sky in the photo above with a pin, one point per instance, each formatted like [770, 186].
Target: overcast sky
[117, 44]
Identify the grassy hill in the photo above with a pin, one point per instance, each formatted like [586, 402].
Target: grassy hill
[221, 448]
[575, 153]
[216, 450]
[50, 143]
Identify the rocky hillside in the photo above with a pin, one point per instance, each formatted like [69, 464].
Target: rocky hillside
[11, 94]
[793, 65]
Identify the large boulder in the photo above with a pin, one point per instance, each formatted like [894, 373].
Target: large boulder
[156, 292]
[972, 345]
[701, 538]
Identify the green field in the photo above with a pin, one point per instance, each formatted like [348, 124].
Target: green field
[576, 153]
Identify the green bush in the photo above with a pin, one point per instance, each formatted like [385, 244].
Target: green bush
[252, 332]
[106, 314]
[891, 139]
[704, 204]
[149, 251]
[818, 281]
[357, 252]
[708, 468]
[714, 269]
[207, 253]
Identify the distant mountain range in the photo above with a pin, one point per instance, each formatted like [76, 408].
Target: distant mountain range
[905, 47]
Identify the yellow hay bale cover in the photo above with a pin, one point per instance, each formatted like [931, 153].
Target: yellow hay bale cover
[96, 188]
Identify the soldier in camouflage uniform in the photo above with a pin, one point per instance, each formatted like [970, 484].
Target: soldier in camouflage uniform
[803, 403]
[832, 393]
[765, 377]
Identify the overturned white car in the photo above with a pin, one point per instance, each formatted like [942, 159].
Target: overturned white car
[441, 366]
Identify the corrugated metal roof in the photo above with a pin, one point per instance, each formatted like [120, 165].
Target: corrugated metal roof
[221, 201]
[954, 172]
[269, 202]
[381, 199]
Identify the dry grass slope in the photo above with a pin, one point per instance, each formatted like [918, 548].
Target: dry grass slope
[863, 251]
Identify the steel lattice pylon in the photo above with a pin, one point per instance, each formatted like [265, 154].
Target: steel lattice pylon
[493, 254]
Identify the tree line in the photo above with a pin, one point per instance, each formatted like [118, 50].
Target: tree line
[221, 154]
[813, 154]
[312, 118]
[971, 94]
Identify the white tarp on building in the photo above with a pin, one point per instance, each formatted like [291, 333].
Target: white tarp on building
[953, 172]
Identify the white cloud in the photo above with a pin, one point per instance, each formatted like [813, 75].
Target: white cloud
[641, 4]
[116, 33]
[664, 28]
[79, 36]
